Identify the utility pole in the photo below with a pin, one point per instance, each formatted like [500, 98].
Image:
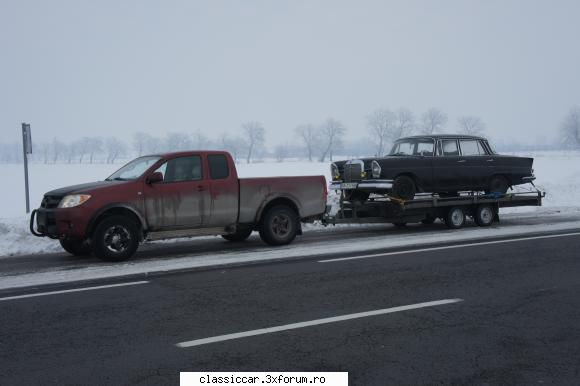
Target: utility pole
[26, 149]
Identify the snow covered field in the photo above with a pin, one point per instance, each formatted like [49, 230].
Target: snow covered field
[558, 174]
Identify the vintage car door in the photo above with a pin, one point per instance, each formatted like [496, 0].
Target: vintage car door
[448, 171]
[476, 162]
[181, 200]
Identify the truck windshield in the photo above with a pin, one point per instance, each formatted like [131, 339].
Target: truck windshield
[413, 147]
[134, 169]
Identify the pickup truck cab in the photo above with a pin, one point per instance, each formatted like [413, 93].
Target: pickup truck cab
[176, 195]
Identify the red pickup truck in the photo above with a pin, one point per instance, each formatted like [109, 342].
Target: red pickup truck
[176, 195]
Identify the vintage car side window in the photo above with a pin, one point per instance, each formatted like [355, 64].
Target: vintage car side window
[181, 169]
[450, 147]
[424, 148]
[470, 147]
[218, 166]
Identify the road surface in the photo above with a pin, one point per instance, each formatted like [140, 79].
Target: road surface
[494, 313]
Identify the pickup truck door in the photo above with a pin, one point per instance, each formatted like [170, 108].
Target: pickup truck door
[224, 191]
[181, 200]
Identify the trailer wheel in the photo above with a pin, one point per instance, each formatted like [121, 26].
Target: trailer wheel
[404, 187]
[455, 218]
[484, 215]
[279, 225]
[76, 247]
[240, 235]
[116, 238]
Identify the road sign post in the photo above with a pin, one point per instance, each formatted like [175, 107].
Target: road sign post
[26, 149]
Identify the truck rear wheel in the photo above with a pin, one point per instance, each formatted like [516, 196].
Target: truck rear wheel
[76, 247]
[279, 225]
[484, 215]
[240, 235]
[455, 218]
[116, 238]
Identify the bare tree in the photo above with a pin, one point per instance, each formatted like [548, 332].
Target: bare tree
[58, 147]
[471, 125]
[571, 127]
[234, 145]
[281, 152]
[71, 151]
[404, 123]
[201, 141]
[307, 134]
[432, 121]
[94, 146]
[381, 124]
[175, 141]
[115, 148]
[254, 134]
[140, 143]
[331, 133]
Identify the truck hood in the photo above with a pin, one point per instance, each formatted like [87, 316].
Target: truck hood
[84, 188]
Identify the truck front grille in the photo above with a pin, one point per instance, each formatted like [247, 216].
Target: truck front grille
[50, 202]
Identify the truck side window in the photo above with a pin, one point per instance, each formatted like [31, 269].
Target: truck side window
[450, 147]
[181, 169]
[218, 166]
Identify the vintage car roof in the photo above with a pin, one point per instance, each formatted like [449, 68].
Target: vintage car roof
[439, 136]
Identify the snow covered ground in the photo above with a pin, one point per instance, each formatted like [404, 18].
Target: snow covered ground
[558, 174]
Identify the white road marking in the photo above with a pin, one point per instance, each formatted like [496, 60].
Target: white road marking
[446, 247]
[293, 326]
[71, 290]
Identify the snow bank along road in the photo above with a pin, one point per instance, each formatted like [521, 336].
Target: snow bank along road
[53, 269]
[493, 313]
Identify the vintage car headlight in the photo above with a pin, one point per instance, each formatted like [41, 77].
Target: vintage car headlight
[73, 200]
[376, 169]
[334, 173]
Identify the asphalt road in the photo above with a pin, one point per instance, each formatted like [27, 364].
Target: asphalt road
[518, 321]
[208, 245]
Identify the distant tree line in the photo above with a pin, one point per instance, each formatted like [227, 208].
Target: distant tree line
[313, 141]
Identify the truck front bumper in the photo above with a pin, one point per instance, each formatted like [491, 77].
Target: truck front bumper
[362, 185]
[58, 223]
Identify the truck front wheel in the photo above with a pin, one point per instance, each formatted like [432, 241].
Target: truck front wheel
[279, 225]
[116, 238]
[76, 247]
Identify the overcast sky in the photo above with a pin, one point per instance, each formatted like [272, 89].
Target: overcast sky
[78, 68]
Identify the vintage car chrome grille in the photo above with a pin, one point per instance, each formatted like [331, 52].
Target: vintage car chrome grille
[352, 172]
[50, 202]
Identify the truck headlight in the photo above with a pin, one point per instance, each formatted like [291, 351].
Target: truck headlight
[376, 169]
[73, 200]
[334, 173]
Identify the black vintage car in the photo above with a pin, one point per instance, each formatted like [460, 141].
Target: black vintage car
[443, 164]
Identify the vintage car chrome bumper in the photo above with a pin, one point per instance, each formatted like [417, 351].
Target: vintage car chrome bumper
[362, 185]
[529, 178]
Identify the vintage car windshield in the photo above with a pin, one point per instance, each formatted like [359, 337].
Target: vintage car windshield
[417, 146]
[134, 169]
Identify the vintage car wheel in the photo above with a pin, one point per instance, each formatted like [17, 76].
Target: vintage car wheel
[76, 247]
[116, 238]
[498, 184]
[279, 225]
[240, 235]
[484, 215]
[455, 218]
[404, 188]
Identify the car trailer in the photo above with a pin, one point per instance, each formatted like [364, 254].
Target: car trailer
[426, 208]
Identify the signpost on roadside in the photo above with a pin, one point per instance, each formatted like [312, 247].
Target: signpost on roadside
[26, 149]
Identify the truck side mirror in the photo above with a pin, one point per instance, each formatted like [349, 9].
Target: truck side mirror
[154, 178]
